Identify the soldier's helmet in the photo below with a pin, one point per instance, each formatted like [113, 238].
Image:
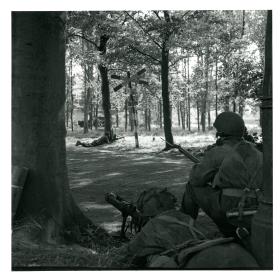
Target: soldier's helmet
[229, 124]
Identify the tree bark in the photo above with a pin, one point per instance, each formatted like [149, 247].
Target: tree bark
[106, 104]
[205, 94]
[160, 114]
[182, 114]
[209, 114]
[198, 115]
[262, 225]
[125, 115]
[149, 119]
[134, 113]
[38, 121]
[146, 118]
[189, 97]
[216, 87]
[178, 114]
[117, 117]
[226, 104]
[165, 86]
[105, 91]
[85, 91]
[71, 93]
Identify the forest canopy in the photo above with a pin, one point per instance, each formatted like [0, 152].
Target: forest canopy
[198, 63]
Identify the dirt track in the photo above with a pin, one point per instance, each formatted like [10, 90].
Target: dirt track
[95, 171]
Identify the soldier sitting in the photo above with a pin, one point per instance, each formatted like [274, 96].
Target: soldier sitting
[228, 178]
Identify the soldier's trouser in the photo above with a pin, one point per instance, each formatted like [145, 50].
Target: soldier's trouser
[211, 201]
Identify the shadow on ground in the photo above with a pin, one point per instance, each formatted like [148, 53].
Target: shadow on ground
[95, 171]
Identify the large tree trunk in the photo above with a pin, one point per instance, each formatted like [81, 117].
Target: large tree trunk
[262, 229]
[105, 91]
[106, 105]
[38, 123]
[165, 86]
[165, 98]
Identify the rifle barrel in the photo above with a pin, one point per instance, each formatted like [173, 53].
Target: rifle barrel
[184, 152]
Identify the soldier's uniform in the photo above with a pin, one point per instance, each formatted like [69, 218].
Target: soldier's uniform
[229, 175]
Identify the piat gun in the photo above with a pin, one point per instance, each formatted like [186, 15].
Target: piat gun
[127, 209]
[183, 151]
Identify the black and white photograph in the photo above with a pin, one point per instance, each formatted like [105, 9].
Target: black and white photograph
[141, 139]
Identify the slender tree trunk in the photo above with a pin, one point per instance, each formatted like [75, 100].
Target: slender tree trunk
[146, 118]
[38, 121]
[117, 117]
[160, 114]
[189, 97]
[226, 104]
[131, 119]
[216, 88]
[233, 105]
[125, 115]
[149, 119]
[67, 76]
[91, 114]
[182, 113]
[134, 114]
[85, 88]
[178, 113]
[71, 93]
[241, 106]
[96, 114]
[198, 115]
[243, 23]
[204, 96]
[209, 114]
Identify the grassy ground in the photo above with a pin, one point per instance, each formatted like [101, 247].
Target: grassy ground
[118, 167]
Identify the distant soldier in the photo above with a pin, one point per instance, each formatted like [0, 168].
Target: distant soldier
[227, 179]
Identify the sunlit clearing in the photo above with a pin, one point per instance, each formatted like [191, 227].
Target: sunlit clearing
[93, 205]
[114, 174]
[111, 226]
[82, 183]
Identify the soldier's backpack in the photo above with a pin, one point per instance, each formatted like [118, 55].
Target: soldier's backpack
[154, 201]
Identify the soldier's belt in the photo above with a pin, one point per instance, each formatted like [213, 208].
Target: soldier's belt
[235, 192]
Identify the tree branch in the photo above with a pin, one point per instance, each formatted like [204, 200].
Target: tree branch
[86, 39]
[156, 13]
[143, 30]
[145, 54]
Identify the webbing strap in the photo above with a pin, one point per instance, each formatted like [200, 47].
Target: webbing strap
[192, 229]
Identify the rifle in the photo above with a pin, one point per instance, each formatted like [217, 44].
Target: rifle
[127, 209]
[183, 151]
